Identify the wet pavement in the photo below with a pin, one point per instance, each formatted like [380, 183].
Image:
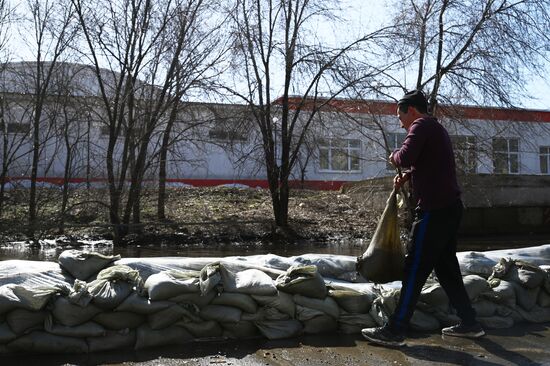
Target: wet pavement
[525, 344]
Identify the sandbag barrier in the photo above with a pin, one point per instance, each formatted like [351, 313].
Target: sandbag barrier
[88, 302]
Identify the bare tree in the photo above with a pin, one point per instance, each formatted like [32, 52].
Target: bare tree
[272, 41]
[137, 49]
[53, 31]
[10, 146]
[472, 52]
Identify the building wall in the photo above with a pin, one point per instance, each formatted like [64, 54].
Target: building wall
[212, 151]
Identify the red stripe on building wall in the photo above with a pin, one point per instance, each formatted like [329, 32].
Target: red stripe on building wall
[252, 183]
[389, 108]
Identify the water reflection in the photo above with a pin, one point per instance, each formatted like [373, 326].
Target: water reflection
[49, 250]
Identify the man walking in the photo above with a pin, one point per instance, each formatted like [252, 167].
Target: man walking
[428, 153]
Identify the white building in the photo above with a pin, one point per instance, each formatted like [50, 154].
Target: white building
[349, 141]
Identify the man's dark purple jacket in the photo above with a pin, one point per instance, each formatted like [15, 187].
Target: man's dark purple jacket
[428, 151]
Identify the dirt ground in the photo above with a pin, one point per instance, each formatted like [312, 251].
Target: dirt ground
[204, 215]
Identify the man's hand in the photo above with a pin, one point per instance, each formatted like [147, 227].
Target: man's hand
[391, 160]
[399, 181]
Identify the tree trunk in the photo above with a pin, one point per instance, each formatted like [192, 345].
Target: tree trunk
[34, 174]
[65, 194]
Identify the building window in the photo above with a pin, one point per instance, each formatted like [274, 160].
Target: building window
[226, 135]
[465, 153]
[15, 127]
[339, 155]
[395, 140]
[505, 156]
[545, 159]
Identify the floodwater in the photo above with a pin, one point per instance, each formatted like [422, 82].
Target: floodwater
[49, 250]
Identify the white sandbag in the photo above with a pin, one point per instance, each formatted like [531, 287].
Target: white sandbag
[6, 334]
[42, 342]
[202, 329]
[304, 280]
[84, 264]
[119, 320]
[526, 297]
[167, 284]
[147, 337]
[320, 324]
[88, 329]
[352, 301]
[272, 261]
[327, 305]
[496, 322]
[33, 274]
[112, 341]
[502, 292]
[210, 278]
[446, 318]
[383, 306]
[475, 285]
[543, 299]
[70, 315]
[221, 314]
[328, 265]
[23, 321]
[250, 281]
[281, 301]
[526, 274]
[171, 315]
[484, 308]
[150, 265]
[423, 321]
[434, 295]
[280, 329]
[197, 299]
[353, 323]
[536, 314]
[136, 303]
[16, 296]
[537, 255]
[475, 263]
[265, 313]
[120, 272]
[108, 294]
[303, 313]
[241, 301]
[240, 330]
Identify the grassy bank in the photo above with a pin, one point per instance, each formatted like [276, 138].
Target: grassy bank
[193, 215]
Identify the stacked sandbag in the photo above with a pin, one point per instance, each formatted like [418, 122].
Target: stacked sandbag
[90, 303]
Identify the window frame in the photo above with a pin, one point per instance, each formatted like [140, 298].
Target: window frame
[329, 144]
[508, 154]
[468, 154]
[544, 156]
[395, 141]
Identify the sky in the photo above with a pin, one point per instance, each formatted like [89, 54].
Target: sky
[362, 16]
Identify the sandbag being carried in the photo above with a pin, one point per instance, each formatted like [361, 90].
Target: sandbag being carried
[384, 259]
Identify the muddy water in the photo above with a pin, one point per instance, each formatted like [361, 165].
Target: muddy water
[49, 250]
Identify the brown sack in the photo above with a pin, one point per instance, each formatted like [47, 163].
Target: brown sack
[384, 259]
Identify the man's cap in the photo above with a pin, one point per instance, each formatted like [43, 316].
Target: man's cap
[414, 98]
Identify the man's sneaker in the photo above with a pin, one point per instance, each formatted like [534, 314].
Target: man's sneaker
[383, 336]
[465, 331]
